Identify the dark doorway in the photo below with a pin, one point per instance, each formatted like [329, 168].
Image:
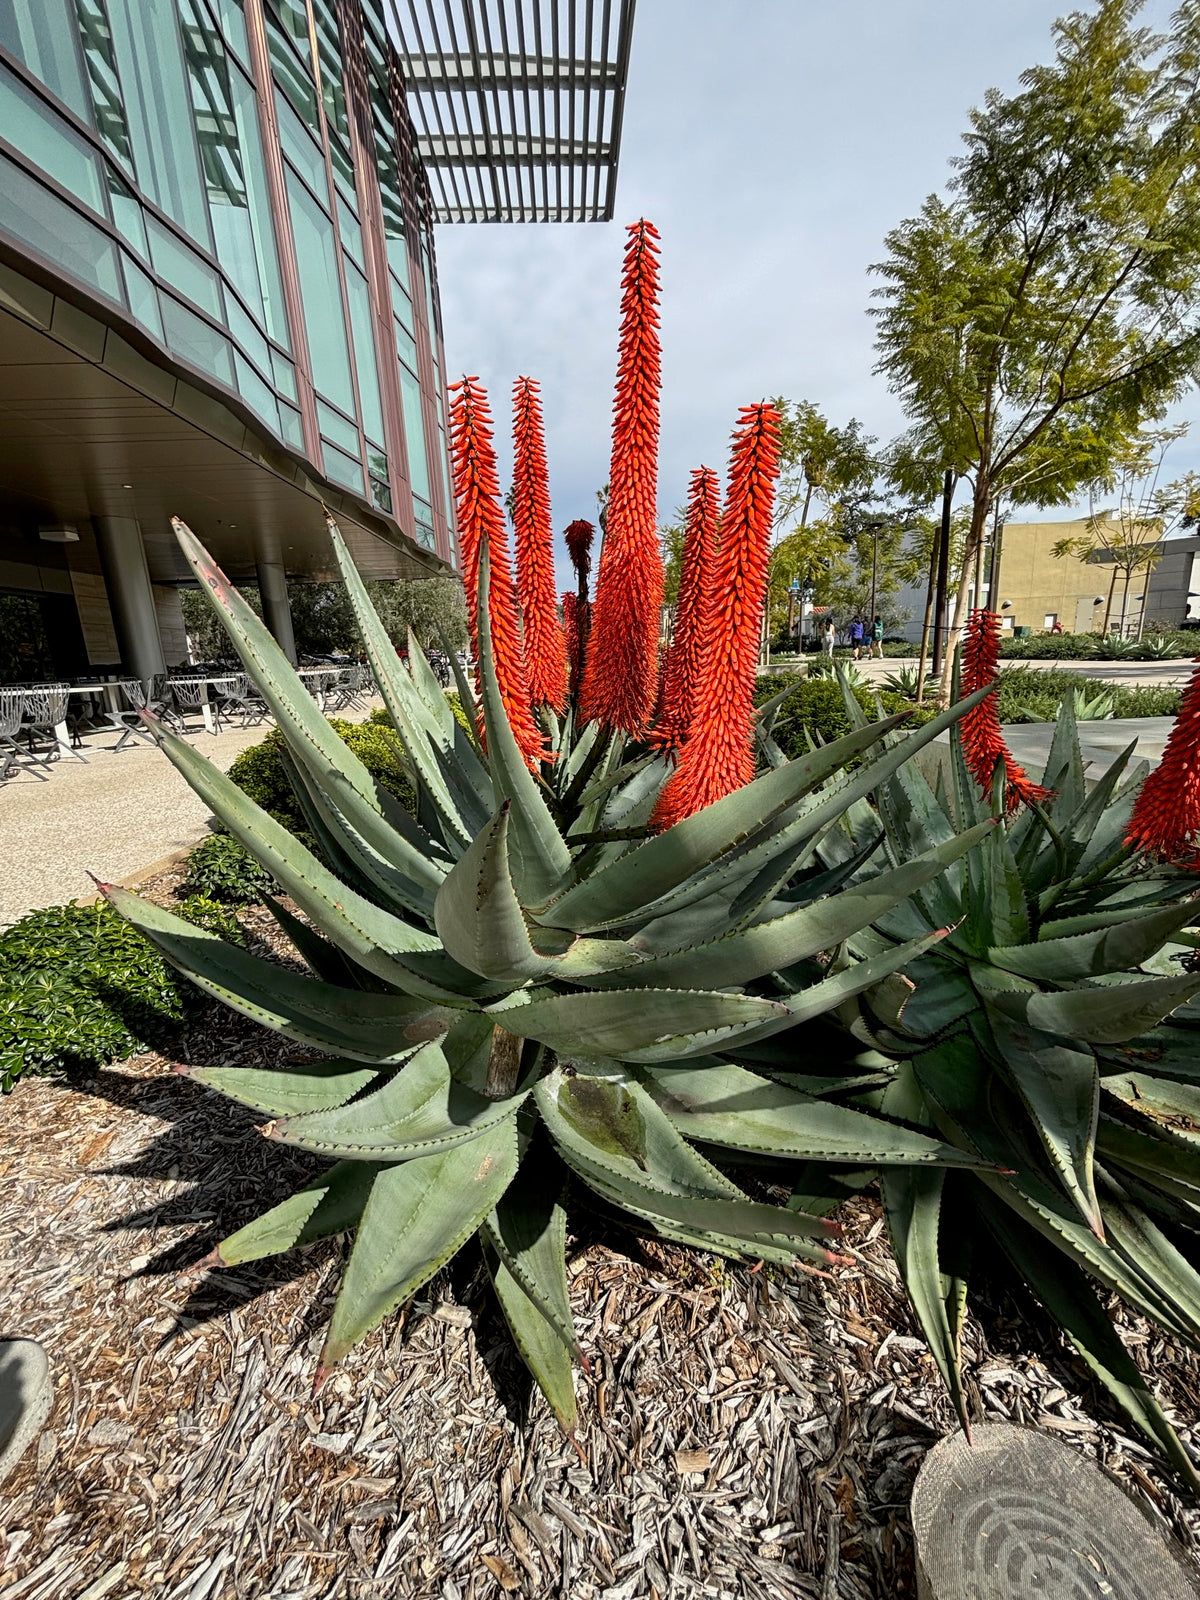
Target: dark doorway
[40, 637]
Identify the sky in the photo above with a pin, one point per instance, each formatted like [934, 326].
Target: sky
[773, 143]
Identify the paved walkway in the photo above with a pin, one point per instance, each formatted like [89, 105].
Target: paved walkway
[1129, 674]
[115, 815]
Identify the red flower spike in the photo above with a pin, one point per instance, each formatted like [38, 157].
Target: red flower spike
[1166, 814]
[620, 676]
[979, 730]
[545, 651]
[718, 755]
[571, 610]
[579, 535]
[480, 517]
[695, 584]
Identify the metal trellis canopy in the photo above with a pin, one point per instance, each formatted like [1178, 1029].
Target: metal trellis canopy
[517, 104]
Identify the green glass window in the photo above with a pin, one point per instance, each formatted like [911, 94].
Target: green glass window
[316, 261]
[143, 297]
[406, 345]
[342, 468]
[284, 374]
[149, 55]
[42, 35]
[423, 517]
[56, 230]
[256, 393]
[104, 85]
[401, 302]
[295, 19]
[246, 335]
[254, 172]
[414, 435]
[293, 77]
[233, 26]
[29, 124]
[291, 429]
[329, 53]
[183, 269]
[195, 340]
[127, 214]
[350, 230]
[299, 146]
[335, 427]
[364, 352]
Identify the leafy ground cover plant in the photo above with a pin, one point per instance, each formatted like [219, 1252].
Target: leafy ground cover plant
[1164, 646]
[1025, 694]
[221, 870]
[814, 708]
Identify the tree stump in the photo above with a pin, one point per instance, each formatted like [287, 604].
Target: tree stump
[1016, 1515]
[25, 1398]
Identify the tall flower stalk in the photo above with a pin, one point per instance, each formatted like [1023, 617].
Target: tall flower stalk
[695, 587]
[545, 652]
[620, 680]
[983, 745]
[480, 520]
[1166, 815]
[718, 755]
[570, 610]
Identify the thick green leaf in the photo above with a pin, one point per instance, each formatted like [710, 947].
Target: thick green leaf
[721, 1104]
[634, 1025]
[528, 1230]
[366, 1027]
[420, 1213]
[1112, 948]
[912, 1203]
[316, 1086]
[478, 916]
[542, 861]
[768, 946]
[420, 1108]
[535, 1336]
[329, 1204]
[1060, 1086]
[1066, 1294]
[1108, 1014]
[1173, 1108]
[328, 962]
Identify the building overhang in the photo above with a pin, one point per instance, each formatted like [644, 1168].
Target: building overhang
[517, 105]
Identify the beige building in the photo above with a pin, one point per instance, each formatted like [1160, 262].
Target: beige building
[1040, 590]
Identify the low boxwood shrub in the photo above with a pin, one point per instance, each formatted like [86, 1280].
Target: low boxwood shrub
[221, 869]
[1027, 695]
[80, 988]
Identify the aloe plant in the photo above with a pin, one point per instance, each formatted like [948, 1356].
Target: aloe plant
[514, 988]
[1050, 1035]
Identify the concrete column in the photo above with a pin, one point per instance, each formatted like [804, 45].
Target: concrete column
[130, 595]
[277, 613]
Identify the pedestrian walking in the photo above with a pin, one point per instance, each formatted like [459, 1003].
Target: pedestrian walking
[876, 646]
[856, 637]
[828, 636]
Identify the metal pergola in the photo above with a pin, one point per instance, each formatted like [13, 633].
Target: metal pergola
[516, 104]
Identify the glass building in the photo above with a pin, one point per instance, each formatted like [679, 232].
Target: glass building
[218, 294]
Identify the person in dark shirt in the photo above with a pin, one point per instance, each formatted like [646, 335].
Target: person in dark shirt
[856, 637]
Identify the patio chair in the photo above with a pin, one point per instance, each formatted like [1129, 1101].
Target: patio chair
[12, 754]
[129, 720]
[239, 699]
[45, 714]
[346, 690]
[191, 694]
[159, 701]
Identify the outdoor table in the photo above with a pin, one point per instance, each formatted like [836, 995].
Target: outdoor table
[110, 692]
[316, 688]
[206, 705]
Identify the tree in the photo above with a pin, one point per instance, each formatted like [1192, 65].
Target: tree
[1033, 320]
[1128, 536]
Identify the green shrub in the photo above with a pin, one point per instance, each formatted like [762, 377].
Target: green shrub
[259, 771]
[816, 707]
[221, 869]
[1165, 646]
[1027, 695]
[80, 988]
[214, 916]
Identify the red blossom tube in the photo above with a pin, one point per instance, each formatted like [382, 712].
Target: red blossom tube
[684, 658]
[545, 652]
[620, 678]
[718, 755]
[1166, 814]
[983, 743]
[480, 519]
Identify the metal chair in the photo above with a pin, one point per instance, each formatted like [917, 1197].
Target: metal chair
[236, 698]
[12, 715]
[133, 692]
[45, 715]
[191, 694]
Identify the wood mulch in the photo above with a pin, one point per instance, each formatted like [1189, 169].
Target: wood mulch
[748, 1435]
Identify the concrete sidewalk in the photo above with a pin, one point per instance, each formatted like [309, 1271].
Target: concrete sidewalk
[1128, 674]
[115, 815]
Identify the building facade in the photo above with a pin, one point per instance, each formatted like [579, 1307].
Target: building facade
[218, 300]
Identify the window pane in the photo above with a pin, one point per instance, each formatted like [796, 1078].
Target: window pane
[381, 494]
[285, 375]
[423, 516]
[293, 78]
[103, 83]
[255, 393]
[42, 35]
[266, 249]
[364, 352]
[406, 345]
[414, 435]
[143, 298]
[335, 427]
[127, 213]
[28, 123]
[49, 225]
[316, 261]
[343, 469]
[246, 335]
[295, 20]
[233, 26]
[157, 104]
[351, 231]
[299, 147]
[194, 340]
[329, 52]
[291, 429]
[182, 269]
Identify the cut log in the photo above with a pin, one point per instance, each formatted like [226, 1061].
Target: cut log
[1017, 1514]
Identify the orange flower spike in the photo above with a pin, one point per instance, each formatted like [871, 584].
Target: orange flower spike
[718, 755]
[620, 676]
[1166, 814]
[480, 518]
[979, 730]
[545, 651]
[683, 661]
[579, 535]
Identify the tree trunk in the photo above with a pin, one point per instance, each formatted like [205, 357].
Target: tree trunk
[1125, 603]
[980, 507]
[930, 588]
[1112, 586]
[943, 570]
[807, 503]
